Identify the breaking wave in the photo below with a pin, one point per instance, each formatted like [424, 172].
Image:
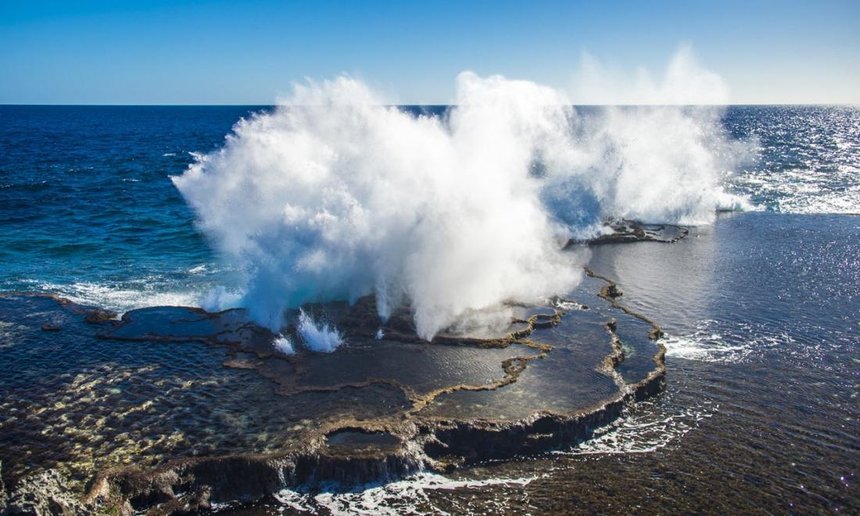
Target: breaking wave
[334, 195]
[120, 297]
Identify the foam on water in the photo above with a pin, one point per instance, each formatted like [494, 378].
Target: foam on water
[713, 342]
[119, 298]
[408, 496]
[197, 269]
[646, 428]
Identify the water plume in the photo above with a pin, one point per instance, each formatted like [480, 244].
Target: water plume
[334, 196]
[320, 337]
[283, 344]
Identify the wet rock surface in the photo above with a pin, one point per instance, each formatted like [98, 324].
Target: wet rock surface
[46, 492]
[174, 409]
[628, 231]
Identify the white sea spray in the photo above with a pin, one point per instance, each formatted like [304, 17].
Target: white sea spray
[320, 337]
[283, 344]
[334, 195]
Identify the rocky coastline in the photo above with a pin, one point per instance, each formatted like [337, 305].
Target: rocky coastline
[374, 410]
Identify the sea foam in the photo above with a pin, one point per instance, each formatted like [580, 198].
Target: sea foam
[334, 195]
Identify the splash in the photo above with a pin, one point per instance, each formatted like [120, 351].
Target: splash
[284, 345]
[318, 337]
[334, 195]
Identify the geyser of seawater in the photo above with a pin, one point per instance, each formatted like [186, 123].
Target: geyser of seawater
[334, 196]
[318, 336]
[284, 345]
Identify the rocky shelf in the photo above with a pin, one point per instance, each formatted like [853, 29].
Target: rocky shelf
[173, 409]
[628, 231]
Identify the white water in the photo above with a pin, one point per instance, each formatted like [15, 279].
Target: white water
[408, 496]
[283, 344]
[336, 196]
[646, 428]
[317, 336]
[121, 297]
[713, 342]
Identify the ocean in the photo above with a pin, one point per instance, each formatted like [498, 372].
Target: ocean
[760, 309]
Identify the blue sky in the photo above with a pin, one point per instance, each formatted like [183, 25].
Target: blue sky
[250, 52]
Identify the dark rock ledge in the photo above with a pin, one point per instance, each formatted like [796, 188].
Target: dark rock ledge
[624, 231]
[352, 448]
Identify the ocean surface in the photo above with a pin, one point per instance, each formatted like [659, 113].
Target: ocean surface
[761, 309]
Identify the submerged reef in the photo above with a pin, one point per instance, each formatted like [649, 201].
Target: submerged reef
[174, 409]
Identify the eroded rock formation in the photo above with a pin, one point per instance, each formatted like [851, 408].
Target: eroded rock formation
[174, 409]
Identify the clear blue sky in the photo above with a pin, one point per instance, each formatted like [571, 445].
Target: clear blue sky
[250, 52]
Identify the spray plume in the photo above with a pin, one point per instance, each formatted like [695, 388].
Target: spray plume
[334, 196]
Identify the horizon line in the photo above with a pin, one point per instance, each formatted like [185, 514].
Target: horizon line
[758, 104]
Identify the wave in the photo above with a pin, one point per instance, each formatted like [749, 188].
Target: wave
[334, 195]
[119, 298]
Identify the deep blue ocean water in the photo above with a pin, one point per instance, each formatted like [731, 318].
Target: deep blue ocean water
[762, 309]
[87, 207]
